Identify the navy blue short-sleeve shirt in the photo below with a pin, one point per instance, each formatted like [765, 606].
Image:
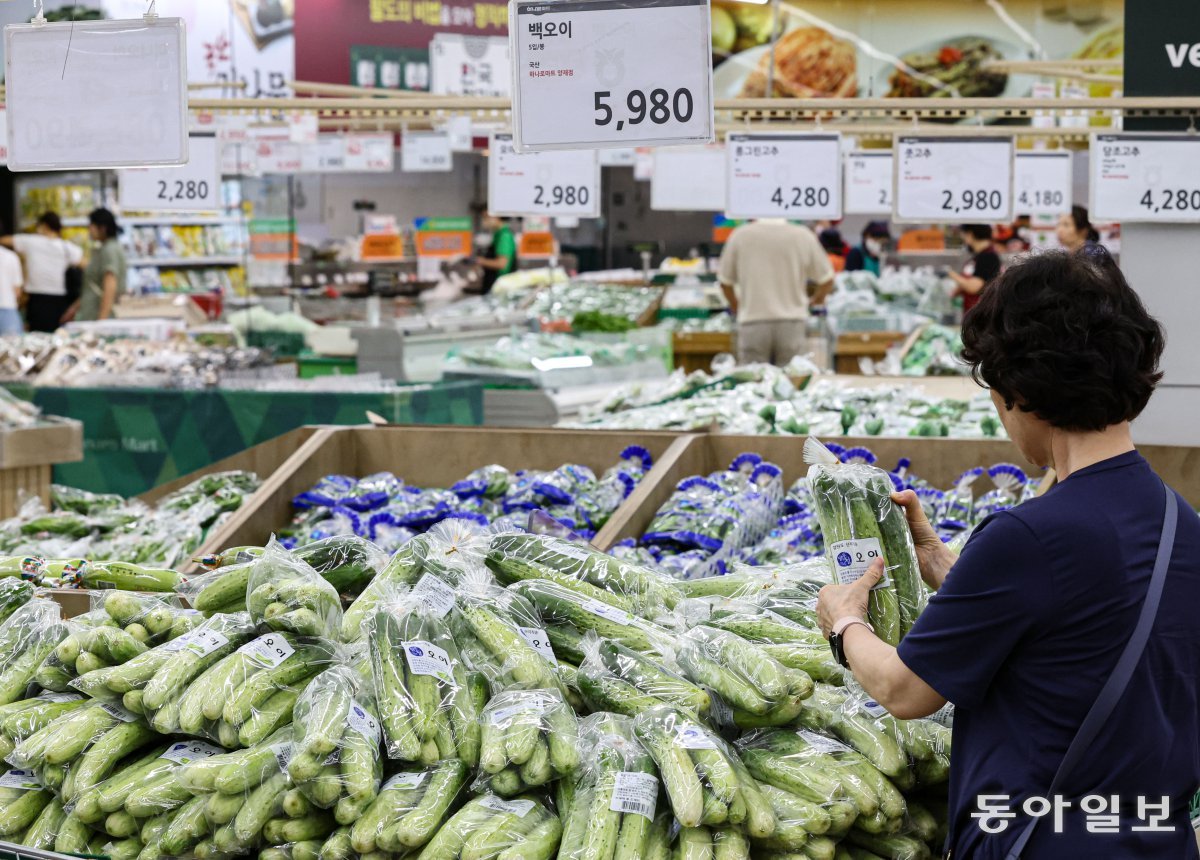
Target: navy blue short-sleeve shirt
[1021, 637]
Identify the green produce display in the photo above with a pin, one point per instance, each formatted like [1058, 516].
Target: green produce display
[529, 738]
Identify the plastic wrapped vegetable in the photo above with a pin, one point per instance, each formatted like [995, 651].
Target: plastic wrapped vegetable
[127, 576]
[22, 800]
[14, 593]
[861, 524]
[347, 562]
[705, 781]
[491, 828]
[428, 706]
[579, 607]
[615, 678]
[410, 808]
[529, 738]
[611, 815]
[286, 594]
[222, 590]
[335, 721]
[26, 639]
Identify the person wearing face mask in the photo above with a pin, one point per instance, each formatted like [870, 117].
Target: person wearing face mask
[869, 255]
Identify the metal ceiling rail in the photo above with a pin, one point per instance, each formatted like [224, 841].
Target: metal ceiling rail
[1114, 64]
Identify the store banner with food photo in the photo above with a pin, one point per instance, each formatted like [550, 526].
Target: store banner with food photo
[386, 43]
[898, 49]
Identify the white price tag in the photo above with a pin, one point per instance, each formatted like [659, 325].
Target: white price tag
[873, 709]
[363, 721]
[195, 185]
[118, 712]
[185, 752]
[598, 73]
[437, 596]
[283, 753]
[23, 780]
[462, 136]
[526, 703]
[427, 659]
[1145, 177]
[953, 180]
[303, 127]
[278, 156]
[635, 792]
[268, 651]
[851, 558]
[96, 94]
[540, 642]
[673, 183]
[625, 156]
[462, 65]
[612, 613]
[783, 176]
[542, 183]
[868, 182]
[426, 152]
[1042, 182]
[404, 781]
[200, 642]
[821, 743]
[59, 698]
[519, 808]
[327, 155]
[234, 128]
[370, 153]
[694, 738]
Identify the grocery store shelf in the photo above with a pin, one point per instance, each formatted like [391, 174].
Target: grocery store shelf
[214, 220]
[168, 262]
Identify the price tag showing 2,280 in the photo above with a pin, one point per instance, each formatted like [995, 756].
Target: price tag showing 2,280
[195, 185]
[600, 73]
[784, 176]
[953, 180]
[1145, 177]
[868, 182]
[542, 183]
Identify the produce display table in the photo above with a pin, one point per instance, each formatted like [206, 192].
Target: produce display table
[857, 345]
[135, 439]
[695, 350]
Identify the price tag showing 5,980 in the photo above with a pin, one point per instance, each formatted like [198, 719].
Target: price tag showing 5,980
[542, 183]
[784, 176]
[953, 180]
[604, 73]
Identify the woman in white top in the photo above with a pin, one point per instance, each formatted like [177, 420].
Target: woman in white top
[48, 256]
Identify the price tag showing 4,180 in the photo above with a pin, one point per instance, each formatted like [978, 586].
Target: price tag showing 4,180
[1145, 177]
[1042, 182]
[784, 176]
[195, 185]
[542, 183]
[953, 180]
[602, 73]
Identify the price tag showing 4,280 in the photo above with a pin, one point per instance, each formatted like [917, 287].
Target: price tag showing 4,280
[784, 176]
[953, 180]
[604, 73]
[1145, 177]
[542, 183]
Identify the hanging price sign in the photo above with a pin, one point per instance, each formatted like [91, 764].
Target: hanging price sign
[953, 180]
[1042, 182]
[195, 185]
[603, 73]
[868, 183]
[542, 183]
[1145, 177]
[783, 176]
[422, 152]
[370, 153]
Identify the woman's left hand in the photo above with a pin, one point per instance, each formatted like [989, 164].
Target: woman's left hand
[838, 601]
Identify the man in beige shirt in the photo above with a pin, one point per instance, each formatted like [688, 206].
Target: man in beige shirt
[768, 268]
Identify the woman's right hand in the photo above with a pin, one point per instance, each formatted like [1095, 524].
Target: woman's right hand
[933, 557]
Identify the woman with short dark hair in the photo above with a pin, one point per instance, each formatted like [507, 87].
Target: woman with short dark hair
[1065, 634]
[51, 264]
[104, 278]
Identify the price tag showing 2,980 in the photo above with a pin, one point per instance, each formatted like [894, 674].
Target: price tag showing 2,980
[611, 73]
[564, 183]
[953, 180]
[784, 176]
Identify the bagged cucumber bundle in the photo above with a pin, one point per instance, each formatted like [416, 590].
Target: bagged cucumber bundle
[27, 638]
[14, 593]
[20, 719]
[492, 828]
[347, 562]
[71, 732]
[529, 738]
[223, 589]
[408, 811]
[337, 762]
[429, 704]
[861, 523]
[518, 557]
[124, 576]
[742, 581]
[499, 633]
[615, 794]
[758, 689]
[615, 678]
[22, 800]
[705, 781]
[42, 830]
[286, 594]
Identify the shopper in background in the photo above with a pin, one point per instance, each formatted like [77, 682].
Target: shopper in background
[979, 271]
[50, 263]
[835, 247]
[1032, 621]
[501, 256]
[104, 278]
[867, 255]
[767, 270]
[1074, 230]
[11, 280]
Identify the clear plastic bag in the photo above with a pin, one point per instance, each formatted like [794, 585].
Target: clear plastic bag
[861, 523]
[27, 638]
[615, 795]
[529, 738]
[286, 594]
[347, 562]
[615, 678]
[429, 706]
[222, 589]
[492, 828]
[410, 808]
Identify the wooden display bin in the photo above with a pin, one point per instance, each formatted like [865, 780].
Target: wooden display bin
[27, 457]
[853, 346]
[695, 350]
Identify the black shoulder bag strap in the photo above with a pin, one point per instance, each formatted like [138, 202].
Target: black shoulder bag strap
[1114, 687]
